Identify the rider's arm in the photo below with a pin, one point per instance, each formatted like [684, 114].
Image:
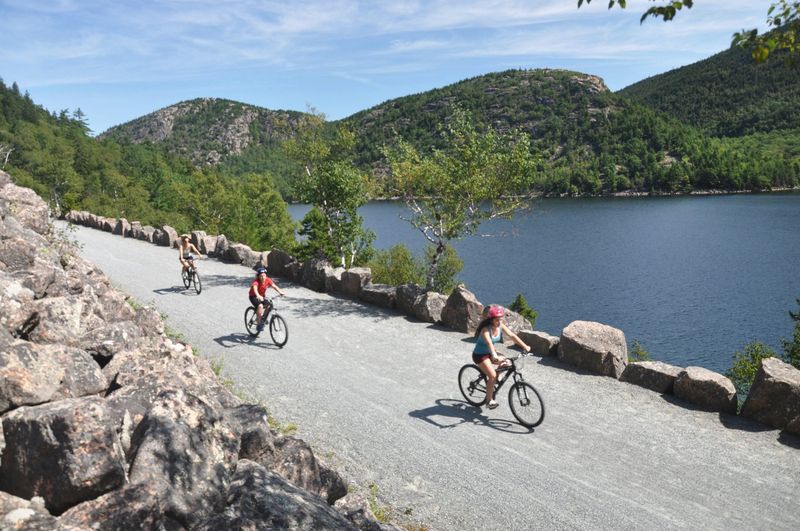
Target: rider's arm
[276, 288]
[194, 249]
[515, 338]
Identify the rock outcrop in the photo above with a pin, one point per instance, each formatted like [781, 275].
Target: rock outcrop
[106, 421]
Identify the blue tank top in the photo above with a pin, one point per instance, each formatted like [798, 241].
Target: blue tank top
[480, 345]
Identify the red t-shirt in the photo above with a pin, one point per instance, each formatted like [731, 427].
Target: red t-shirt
[262, 288]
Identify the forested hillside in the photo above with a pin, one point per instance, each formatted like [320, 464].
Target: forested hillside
[53, 154]
[727, 94]
[592, 141]
[240, 138]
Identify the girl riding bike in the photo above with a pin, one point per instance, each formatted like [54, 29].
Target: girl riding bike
[489, 333]
[258, 291]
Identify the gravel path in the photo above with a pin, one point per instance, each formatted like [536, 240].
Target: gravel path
[376, 394]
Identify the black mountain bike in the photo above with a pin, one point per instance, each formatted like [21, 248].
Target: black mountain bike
[278, 330]
[525, 401]
[191, 276]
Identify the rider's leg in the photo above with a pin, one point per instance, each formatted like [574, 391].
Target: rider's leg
[491, 377]
[184, 265]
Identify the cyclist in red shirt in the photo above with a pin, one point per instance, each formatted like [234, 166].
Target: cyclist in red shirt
[258, 291]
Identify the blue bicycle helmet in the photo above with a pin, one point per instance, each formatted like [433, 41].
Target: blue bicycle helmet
[261, 270]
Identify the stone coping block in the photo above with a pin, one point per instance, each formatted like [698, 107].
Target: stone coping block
[774, 397]
[354, 279]
[654, 375]
[594, 347]
[382, 295]
[541, 343]
[706, 389]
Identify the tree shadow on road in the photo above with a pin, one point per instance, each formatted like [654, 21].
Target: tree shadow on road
[226, 280]
[341, 307]
[238, 338]
[449, 413]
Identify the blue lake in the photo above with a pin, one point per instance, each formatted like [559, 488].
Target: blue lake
[693, 279]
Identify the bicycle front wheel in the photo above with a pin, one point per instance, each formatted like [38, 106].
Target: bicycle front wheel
[278, 330]
[198, 286]
[472, 383]
[186, 280]
[251, 321]
[526, 404]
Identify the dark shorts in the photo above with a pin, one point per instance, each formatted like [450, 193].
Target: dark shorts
[255, 302]
[478, 358]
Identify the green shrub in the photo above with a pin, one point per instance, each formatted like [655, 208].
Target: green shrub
[791, 349]
[746, 364]
[520, 305]
[396, 266]
[638, 352]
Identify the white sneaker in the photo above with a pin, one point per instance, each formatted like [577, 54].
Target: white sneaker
[492, 404]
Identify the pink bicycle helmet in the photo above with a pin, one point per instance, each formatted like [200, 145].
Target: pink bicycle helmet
[495, 311]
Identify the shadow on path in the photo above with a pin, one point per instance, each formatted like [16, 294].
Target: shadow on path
[239, 338]
[449, 413]
[180, 290]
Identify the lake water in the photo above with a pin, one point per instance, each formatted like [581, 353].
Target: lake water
[693, 279]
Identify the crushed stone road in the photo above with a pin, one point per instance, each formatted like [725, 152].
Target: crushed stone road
[375, 393]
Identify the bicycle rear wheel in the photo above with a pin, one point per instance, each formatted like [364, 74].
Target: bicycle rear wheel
[251, 321]
[278, 330]
[186, 280]
[526, 404]
[472, 383]
[198, 286]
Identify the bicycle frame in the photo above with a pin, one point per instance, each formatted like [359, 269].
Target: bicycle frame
[503, 375]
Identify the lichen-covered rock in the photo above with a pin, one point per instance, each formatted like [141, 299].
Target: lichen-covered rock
[654, 375]
[184, 445]
[706, 389]
[594, 347]
[27, 207]
[429, 306]
[138, 506]
[32, 374]
[66, 452]
[19, 513]
[463, 311]
[260, 499]
[774, 397]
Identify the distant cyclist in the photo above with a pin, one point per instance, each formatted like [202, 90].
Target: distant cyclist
[489, 333]
[258, 291]
[185, 250]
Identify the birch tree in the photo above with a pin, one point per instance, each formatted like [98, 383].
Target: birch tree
[334, 187]
[450, 192]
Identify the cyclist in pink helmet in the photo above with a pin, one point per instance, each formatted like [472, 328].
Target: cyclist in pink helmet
[489, 333]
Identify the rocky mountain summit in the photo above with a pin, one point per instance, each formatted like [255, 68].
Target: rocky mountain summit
[107, 423]
[206, 130]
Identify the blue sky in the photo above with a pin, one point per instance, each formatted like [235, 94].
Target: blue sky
[118, 60]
